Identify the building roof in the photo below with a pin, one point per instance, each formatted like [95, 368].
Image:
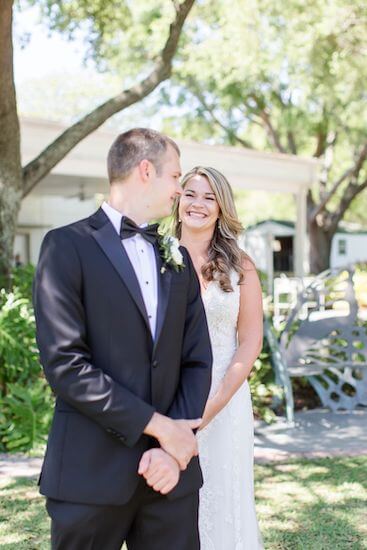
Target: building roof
[344, 227]
[84, 168]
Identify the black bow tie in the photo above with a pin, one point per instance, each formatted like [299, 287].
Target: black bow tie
[129, 229]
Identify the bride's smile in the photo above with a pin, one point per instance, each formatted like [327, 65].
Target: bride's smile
[199, 209]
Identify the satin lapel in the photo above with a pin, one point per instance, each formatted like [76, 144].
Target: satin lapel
[110, 243]
[164, 288]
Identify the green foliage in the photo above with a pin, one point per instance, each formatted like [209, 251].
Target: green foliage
[26, 415]
[255, 206]
[119, 41]
[264, 390]
[22, 279]
[25, 398]
[262, 385]
[303, 66]
[121, 36]
[282, 77]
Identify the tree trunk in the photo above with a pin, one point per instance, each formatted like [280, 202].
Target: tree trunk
[10, 160]
[15, 182]
[320, 247]
[10, 201]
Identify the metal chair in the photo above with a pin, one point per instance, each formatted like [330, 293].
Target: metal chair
[329, 346]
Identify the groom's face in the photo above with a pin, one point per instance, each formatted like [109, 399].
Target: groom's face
[165, 185]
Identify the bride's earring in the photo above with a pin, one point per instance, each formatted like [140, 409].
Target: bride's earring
[219, 224]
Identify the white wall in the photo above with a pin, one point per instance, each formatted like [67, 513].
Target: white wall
[255, 243]
[356, 249]
[258, 243]
[39, 214]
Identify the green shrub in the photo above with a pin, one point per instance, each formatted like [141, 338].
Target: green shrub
[26, 401]
[263, 387]
[25, 398]
[22, 279]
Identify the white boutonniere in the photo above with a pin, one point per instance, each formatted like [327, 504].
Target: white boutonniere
[170, 252]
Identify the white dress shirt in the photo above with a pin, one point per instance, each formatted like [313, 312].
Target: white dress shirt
[142, 257]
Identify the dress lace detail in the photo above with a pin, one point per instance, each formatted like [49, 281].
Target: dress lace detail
[227, 517]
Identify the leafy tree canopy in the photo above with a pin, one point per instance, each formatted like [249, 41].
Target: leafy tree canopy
[121, 36]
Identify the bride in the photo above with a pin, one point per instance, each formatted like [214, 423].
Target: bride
[207, 224]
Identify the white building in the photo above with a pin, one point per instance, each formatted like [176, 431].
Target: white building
[271, 244]
[77, 185]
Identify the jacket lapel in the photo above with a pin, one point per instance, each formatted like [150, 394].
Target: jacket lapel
[164, 288]
[109, 241]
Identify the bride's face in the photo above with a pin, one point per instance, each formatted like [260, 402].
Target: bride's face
[198, 208]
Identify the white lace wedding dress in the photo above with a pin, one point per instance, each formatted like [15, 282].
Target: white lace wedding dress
[227, 517]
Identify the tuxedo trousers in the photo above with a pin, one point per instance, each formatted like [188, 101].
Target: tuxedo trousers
[148, 521]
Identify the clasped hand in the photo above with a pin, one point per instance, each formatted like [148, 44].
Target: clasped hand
[161, 470]
[161, 467]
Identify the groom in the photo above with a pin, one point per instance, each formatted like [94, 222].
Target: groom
[124, 345]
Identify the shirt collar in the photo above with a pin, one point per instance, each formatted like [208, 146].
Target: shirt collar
[115, 216]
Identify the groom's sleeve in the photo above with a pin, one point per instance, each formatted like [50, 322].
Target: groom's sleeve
[62, 342]
[196, 357]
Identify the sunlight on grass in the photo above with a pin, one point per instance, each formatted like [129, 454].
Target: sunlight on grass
[313, 505]
[301, 505]
[11, 539]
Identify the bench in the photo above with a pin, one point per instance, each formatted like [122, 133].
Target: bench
[328, 345]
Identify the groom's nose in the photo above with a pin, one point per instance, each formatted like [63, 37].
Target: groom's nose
[179, 189]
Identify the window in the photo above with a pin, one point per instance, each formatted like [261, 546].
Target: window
[342, 247]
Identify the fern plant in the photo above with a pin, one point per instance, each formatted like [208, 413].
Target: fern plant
[26, 413]
[25, 398]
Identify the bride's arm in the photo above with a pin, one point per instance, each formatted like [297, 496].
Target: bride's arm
[250, 333]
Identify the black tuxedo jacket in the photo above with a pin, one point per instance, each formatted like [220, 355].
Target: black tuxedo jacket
[107, 373]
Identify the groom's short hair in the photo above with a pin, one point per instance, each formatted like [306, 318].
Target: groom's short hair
[133, 146]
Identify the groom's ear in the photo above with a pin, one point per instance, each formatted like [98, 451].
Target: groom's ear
[145, 168]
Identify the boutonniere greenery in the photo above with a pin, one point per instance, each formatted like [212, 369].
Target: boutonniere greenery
[170, 253]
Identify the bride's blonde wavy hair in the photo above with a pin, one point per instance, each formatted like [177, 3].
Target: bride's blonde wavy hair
[224, 254]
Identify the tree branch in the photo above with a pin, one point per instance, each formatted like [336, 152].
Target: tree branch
[352, 172]
[324, 137]
[272, 133]
[195, 88]
[350, 193]
[321, 144]
[328, 148]
[310, 203]
[176, 4]
[56, 151]
[252, 118]
[264, 115]
[292, 142]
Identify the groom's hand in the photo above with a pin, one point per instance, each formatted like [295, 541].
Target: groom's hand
[176, 437]
[161, 471]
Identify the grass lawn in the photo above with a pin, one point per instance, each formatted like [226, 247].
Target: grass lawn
[313, 504]
[302, 505]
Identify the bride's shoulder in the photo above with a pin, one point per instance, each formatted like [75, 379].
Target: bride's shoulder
[248, 263]
[250, 277]
[248, 266]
